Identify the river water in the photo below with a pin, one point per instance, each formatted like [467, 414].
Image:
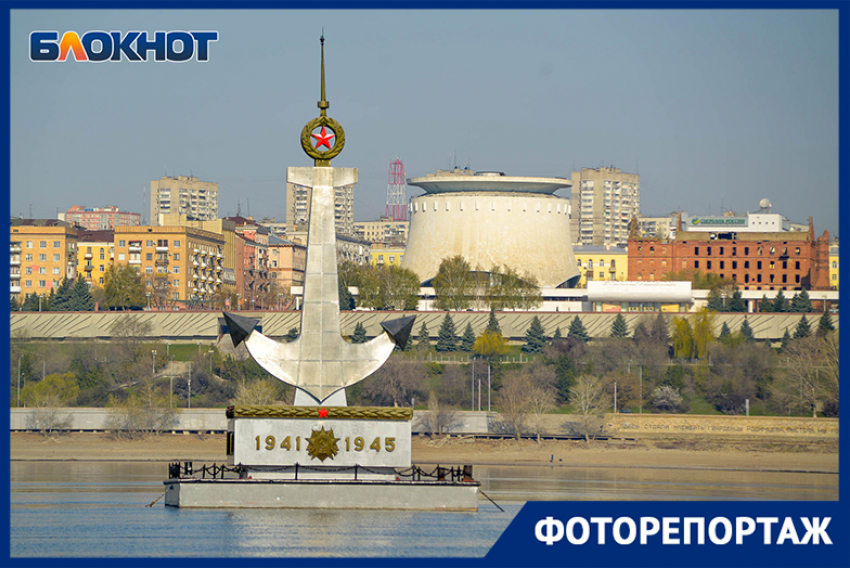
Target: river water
[99, 509]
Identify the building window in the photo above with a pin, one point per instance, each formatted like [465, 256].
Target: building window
[55, 258]
[734, 251]
[772, 265]
[746, 264]
[42, 244]
[148, 269]
[784, 278]
[148, 243]
[28, 284]
[696, 251]
[772, 251]
[121, 256]
[696, 264]
[746, 251]
[835, 276]
[29, 244]
[734, 264]
[176, 270]
[42, 258]
[797, 265]
[176, 244]
[101, 268]
[176, 256]
[149, 256]
[708, 251]
[602, 275]
[834, 264]
[122, 243]
[721, 250]
[42, 283]
[798, 251]
[28, 270]
[772, 278]
[176, 283]
[55, 270]
[797, 278]
[721, 263]
[29, 258]
[758, 265]
[708, 264]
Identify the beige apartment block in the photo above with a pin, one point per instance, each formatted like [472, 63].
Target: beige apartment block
[287, 266]
[42, 253]
[298, 208]
[176, 263]
[226, 228]
[184, 195]
[384, 231]
[603, 202]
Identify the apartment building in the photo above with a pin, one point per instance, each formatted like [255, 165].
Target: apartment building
[42, 253]
[183, 195]
[178, 264]
[602, 204]
[100, 218]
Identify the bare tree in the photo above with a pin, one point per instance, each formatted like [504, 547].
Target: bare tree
[48, 397]
[513, 400]
[141, 414]
[438, 419]
[396, 382]
[810, 379]
[258, 392]
[589, 402]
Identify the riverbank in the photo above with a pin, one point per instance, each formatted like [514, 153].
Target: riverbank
[753, 456]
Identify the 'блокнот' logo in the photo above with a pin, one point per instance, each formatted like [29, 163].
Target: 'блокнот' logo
[98, 46]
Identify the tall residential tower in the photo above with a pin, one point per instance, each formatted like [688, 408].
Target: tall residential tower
[603, 202]
[184, 195]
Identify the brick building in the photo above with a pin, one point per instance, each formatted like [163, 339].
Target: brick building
[755, 261]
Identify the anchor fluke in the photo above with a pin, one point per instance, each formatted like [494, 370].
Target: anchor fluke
[239, 327]
[399, 329]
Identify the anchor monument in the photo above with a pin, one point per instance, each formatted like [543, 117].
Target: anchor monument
[321, 453]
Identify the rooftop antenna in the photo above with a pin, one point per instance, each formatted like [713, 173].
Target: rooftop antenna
[30, 210]
[238, 208]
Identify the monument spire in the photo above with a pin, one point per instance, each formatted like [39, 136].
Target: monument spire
[323, 104]
[322, 138]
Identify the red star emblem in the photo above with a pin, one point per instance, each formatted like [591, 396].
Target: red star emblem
[323, 138]
[323, 413]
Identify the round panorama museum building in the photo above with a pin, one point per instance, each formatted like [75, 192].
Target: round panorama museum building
[491, 219]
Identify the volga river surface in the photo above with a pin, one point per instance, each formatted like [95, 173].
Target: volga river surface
[98, 509]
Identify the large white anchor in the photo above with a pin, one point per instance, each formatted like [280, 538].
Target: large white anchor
[320, 362]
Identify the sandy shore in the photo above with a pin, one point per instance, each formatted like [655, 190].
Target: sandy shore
[817, 457]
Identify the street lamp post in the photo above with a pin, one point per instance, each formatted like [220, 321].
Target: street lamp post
[238, 301]
[148, 294]
[153, 362]
[19, 379]
[190, 385]
[40, 296]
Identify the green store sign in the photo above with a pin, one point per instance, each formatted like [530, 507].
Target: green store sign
[719, 221]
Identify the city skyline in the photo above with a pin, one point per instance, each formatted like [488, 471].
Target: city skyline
[712, 108]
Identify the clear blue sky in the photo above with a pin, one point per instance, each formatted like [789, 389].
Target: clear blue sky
[710, 107]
